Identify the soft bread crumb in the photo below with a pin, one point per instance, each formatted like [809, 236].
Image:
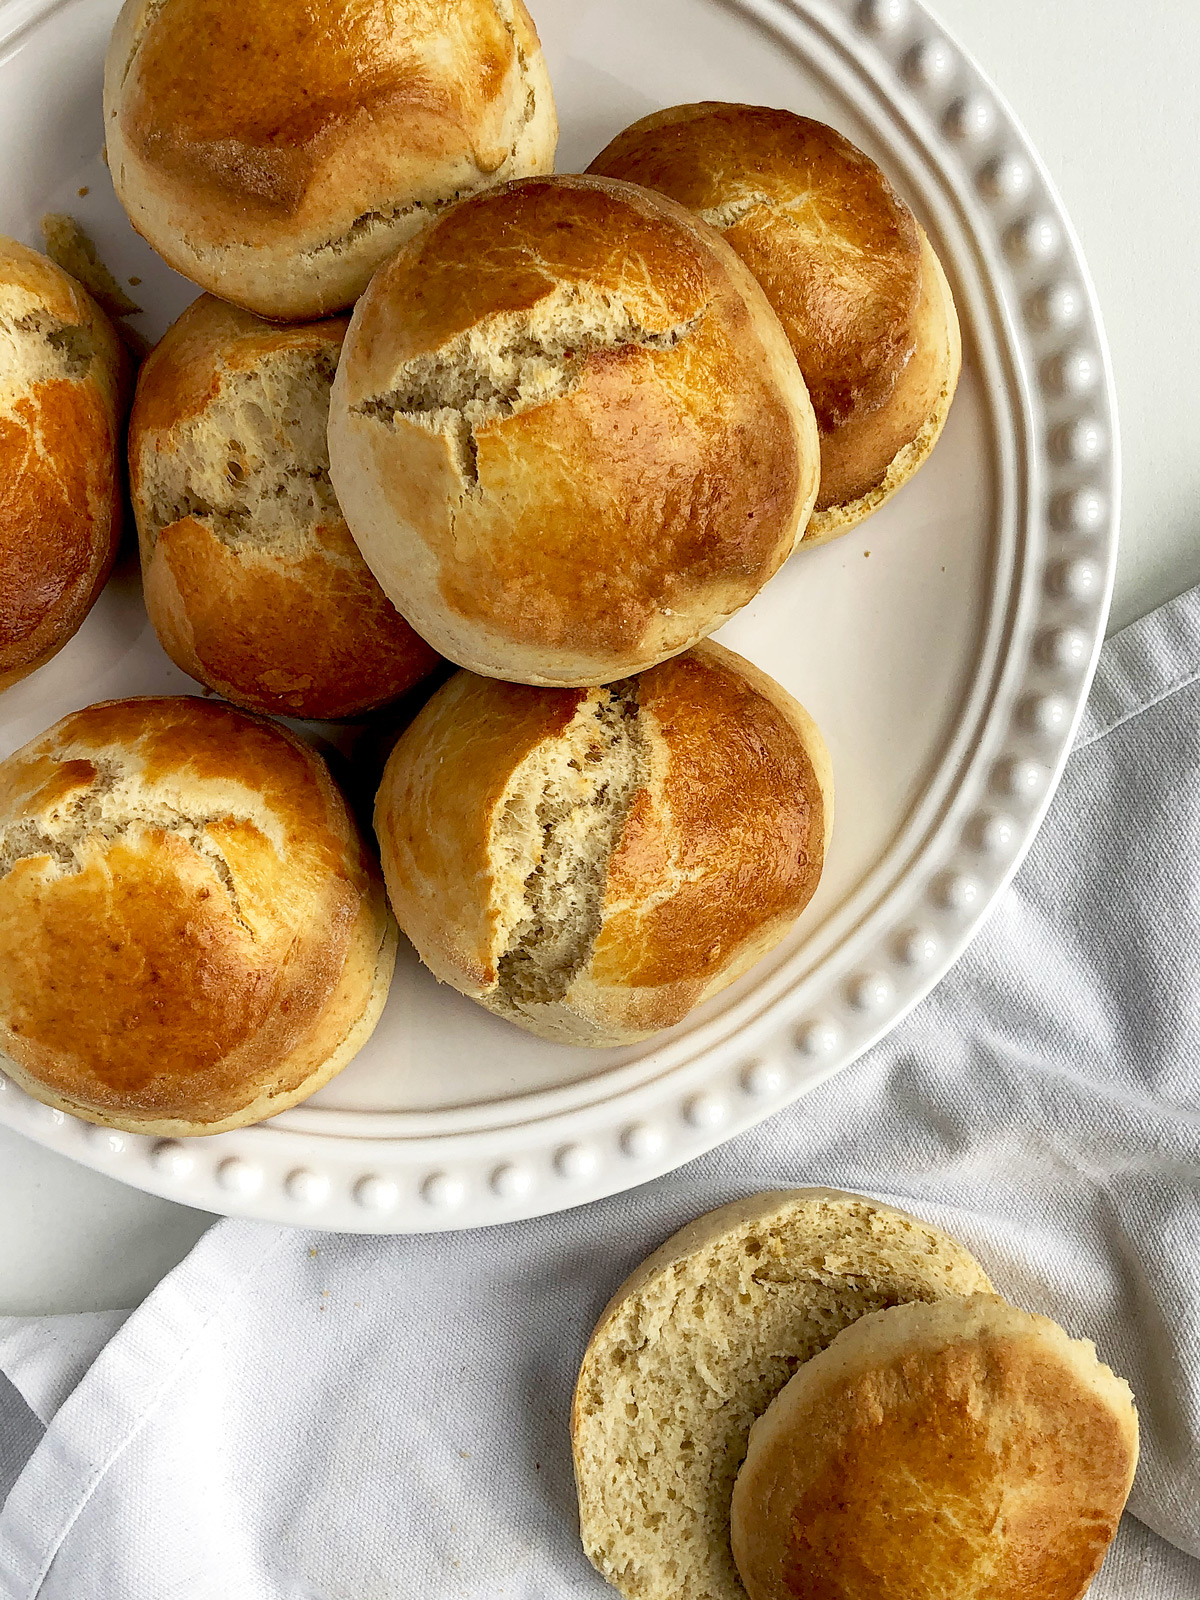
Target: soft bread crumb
[36, 348]
[253, 466]
[561, 820]
[695, 1346]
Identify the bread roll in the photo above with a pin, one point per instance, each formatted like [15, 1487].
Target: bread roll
[847, 268]
[962, 1449]
[252, 580]
[61, 372]
[568, 433]
[192, 933]
[695, 1345]
[592, 865]
[275, 153]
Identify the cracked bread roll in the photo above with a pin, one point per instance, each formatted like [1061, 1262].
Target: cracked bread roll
[963, 1450]
[694, 1346]
[251, 578]
[193, 935]
[592, 865]
[61, 372]
[568, 432]
[845, 265]
[275, 153]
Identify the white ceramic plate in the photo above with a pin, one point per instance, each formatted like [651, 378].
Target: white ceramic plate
[945, 647]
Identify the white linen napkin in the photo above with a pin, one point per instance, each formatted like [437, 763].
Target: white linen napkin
[300, 1416]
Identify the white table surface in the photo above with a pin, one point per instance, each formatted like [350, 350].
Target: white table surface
[1105, 88]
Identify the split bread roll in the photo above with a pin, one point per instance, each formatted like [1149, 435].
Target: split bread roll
[193, 935]
[568, 432]
[846, 266]
[694, 1346]
[251, 578]
[275, 153]
[61, 370]
[592, 865]
[963, 1450]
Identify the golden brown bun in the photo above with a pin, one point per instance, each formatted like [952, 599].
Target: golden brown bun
[963, 1449]
[252, 580]
[593, 864]
[847, 268]
[568, 433]
[192, 933]
[61, 370]
[696, 1343]
[275, 153]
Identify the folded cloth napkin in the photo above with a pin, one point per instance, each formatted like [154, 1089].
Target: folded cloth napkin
[299, 1416]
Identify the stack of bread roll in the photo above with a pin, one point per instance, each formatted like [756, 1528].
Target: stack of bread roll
[571, 425]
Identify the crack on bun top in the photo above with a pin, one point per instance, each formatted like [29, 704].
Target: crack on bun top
[507, 364]
[111, 805]
[568, 432]
[44, 348]
[561, 821]
[269, 486]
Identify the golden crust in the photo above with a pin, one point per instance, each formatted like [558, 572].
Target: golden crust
[912, 420]
[843, 263]
[283, 618]
[721, 848]
[956, 1450]
[283, 187]
[568, 432]
[735, 820]
[61, 371]
[193, 933]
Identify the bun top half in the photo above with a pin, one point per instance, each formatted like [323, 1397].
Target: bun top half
[964, 1449]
